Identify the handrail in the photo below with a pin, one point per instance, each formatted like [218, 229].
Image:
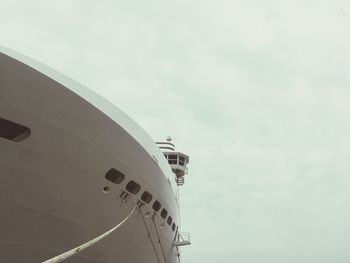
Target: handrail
[184, 239]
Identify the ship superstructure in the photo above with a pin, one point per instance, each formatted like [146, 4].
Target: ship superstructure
[73, 166]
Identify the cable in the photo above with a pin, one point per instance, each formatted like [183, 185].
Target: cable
[160, 243]
[178, 256]
[149, 236]
[84, 246]
[178, 205]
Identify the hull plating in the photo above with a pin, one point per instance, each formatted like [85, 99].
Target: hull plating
[51, 183]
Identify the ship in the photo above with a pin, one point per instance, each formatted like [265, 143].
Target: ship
[80, 181]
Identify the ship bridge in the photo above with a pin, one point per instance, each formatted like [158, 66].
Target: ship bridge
[178, 161]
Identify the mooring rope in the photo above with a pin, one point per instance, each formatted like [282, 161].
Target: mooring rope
[84, 246]
[149, 236]
[160, 243]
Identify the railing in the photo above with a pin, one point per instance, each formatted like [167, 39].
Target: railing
[180, 180]
[183, 239]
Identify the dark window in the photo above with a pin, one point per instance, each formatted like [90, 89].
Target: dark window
[146, 197]
[133, 187]
[173, 227]
[114, 176]
[13, 131]
[172, 157]
[182, 160]
[156, 206]
[164, 213]
[169, 221]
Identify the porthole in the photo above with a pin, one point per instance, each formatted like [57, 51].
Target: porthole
[169, 221]
[114, 176]
[146, 197]
[133, 187]
[13, 131]
[156, 206]
[164, 213]
[173, 227]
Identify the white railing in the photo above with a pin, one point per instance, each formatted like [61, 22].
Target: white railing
[183, 239]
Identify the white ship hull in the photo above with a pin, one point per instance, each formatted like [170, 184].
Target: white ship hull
[51, 183]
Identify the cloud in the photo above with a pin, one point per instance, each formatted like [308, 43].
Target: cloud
[256, 92]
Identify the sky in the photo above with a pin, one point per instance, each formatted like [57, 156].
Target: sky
[256, 92]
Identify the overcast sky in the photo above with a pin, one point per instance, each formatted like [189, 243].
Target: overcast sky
[255, 91]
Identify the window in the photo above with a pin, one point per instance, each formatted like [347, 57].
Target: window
[169, 221]
[156, 206]
[172, 159]
[114, 176]
[133, 187]
[173, 227]
[13, 131]
[146, 197]
[164, 213]
[182, 160]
